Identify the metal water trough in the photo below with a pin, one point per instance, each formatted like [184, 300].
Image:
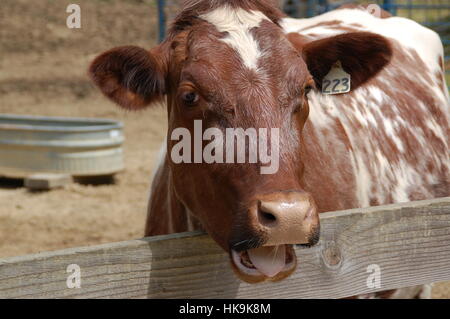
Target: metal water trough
[75, 146]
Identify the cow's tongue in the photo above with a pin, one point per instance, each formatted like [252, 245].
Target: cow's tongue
[268, 260]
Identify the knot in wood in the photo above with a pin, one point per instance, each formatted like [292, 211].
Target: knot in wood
[331, 255]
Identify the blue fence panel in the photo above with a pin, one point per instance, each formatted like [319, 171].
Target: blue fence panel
[161, 20]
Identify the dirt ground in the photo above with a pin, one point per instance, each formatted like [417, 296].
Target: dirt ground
[43, 72]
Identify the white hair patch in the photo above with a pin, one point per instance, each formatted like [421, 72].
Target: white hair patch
[238, 23]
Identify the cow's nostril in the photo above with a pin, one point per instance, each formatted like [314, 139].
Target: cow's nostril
[266, 218]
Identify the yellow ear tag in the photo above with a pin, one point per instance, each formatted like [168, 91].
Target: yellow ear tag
[337, 81]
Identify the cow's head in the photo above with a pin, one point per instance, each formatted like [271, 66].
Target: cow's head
[230, 65]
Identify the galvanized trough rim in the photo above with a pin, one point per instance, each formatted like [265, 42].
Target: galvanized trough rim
[86, 124]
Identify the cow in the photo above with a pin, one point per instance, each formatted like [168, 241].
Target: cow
[381, 138]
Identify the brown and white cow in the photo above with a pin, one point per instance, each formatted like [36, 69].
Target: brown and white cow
[243, 64]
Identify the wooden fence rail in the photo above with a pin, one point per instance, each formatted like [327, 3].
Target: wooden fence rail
[409, 242]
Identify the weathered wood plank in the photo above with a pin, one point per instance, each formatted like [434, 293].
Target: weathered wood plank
[409, 242]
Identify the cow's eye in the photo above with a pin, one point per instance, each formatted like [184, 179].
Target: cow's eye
[189, 98]
[309, 86]
[308, 89]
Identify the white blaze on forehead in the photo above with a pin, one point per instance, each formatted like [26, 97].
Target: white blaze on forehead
[238, 23]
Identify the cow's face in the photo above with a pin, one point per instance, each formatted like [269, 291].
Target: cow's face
[233, 68]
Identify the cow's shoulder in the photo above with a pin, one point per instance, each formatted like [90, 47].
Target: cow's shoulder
[406, 33]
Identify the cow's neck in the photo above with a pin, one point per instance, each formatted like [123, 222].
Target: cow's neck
[166, 213]
[321, 164]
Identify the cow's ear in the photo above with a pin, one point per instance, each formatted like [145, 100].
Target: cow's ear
[362, 55]
[130, 76]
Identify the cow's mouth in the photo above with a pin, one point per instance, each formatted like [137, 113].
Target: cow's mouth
[264, 263]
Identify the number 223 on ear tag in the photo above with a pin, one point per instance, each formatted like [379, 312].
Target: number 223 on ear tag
[337, 81]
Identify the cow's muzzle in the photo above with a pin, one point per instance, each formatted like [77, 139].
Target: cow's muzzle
[282, 219]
